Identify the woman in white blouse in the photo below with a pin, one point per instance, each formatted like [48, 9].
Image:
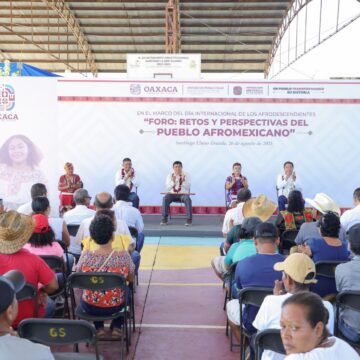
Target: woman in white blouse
[304, 334]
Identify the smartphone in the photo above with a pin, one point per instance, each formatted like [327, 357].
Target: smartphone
[1, 202]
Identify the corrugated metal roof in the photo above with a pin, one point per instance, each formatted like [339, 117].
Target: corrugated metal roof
[232, 36]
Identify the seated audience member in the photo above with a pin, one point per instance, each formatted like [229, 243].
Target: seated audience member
[321, 204]
[41, 205]
[68, 184]
[42, 240]
[15, 231]
[295, 214]
[11, 346]
[37, 190]
[177, 185]
[127, 176]
[235, 182]
[352, 216]
[120, 242]
[328, 247]
[298, 272]
[105, 259]
[347, 278]
[126, 212]
[75, 216]
[103, 201]
[259, 207]
[233, 219]
[285, 183]
[255, 271]
[239, 250]
[304, 333]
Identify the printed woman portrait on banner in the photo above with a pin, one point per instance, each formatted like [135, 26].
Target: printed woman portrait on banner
[19, 161]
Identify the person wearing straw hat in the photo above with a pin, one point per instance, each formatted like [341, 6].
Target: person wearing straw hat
[321, 204]
[298, 272]
[260, 207]
[15, 231]
[11, 346]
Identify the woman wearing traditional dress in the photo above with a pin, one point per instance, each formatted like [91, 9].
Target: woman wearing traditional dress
[68, 184]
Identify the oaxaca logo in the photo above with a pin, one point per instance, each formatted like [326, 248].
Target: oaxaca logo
[135, 89]
[7, 97]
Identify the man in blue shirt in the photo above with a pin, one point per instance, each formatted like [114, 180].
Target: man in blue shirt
[255, 271]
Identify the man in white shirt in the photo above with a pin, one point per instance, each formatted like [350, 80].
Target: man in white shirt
[126, 212]
[177, 186]
[37, 190]
[76, 215]
[285, 183]
[102, 201]
[233, 218]
[352, 216]
[127, 176]
[298, 273]
[11, 346]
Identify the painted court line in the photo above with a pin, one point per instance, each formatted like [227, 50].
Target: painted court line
[179, 284]
[174, 326]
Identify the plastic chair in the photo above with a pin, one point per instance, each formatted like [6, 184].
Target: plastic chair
[346, 300]
[99, 281]
[287, 239]
[135, 234]
[72, 229]
[250, 296]
[29, 292]
[61, 332]
[56, 264]
[229, 278]
[268, 339]
[327, 268]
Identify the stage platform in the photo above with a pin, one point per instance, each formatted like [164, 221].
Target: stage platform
[203, 226]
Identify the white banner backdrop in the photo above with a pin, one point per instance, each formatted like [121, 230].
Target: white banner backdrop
[209, 126]
[206, 125]
[28, 138]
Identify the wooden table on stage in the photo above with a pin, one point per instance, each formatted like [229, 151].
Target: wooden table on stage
[180, 193]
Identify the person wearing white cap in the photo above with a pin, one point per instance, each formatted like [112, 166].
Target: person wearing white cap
[320, 204]
[11, 346]
[352, 216]
[298, 273]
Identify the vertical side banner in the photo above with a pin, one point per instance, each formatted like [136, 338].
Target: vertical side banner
[28, 138]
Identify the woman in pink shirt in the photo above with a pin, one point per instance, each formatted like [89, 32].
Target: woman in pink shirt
[42, 241]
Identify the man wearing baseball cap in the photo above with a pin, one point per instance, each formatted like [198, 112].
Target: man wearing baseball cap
[298, 272]
[347, 278]
[321, 204]
[11, 346]
[255, 271]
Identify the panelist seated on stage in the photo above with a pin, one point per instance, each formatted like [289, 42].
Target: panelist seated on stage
[127, 176]
[68, 184]
[177, 186]
[285, 183]
[235, 182]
